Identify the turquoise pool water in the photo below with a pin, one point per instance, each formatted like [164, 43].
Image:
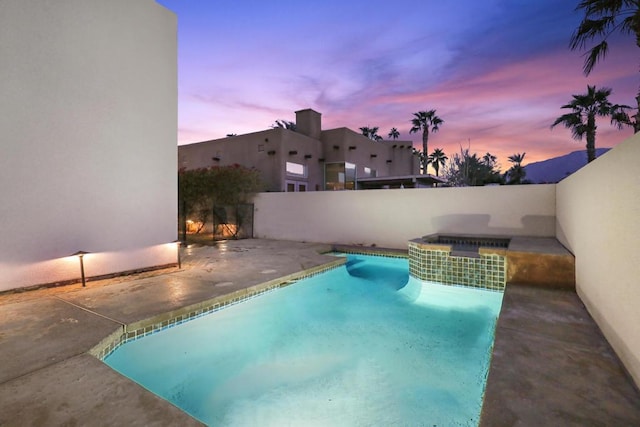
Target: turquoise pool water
[360, 345]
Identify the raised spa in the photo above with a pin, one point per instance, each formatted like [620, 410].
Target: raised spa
[473, 261]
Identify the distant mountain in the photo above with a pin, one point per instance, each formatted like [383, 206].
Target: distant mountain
[557, 168]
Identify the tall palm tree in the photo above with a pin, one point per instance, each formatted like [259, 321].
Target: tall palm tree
[437, 159]
[602, 19]
[582, 118]
[393, 133]
[425, 121]
[516, 172]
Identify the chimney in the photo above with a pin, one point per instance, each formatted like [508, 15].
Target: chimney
[308, 122]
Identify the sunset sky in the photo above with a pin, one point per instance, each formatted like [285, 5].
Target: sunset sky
[496, 71]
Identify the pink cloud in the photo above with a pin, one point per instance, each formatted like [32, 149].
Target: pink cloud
[504, 110]
[510, 109]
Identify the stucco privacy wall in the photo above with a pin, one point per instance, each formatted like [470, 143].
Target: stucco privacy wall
[88, 122]
[389, 218]
[598, 212]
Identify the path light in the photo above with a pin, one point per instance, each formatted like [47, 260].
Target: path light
[81, 254]
[178, 244]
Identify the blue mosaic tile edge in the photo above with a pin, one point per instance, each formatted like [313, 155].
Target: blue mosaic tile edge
[111, 343]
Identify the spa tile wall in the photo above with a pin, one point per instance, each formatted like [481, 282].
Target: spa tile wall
[437, 265]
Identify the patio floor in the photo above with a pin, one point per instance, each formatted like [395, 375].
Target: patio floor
[551, 365]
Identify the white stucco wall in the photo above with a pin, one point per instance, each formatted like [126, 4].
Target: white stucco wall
[598, 214]
[389, 218]
[88, 122]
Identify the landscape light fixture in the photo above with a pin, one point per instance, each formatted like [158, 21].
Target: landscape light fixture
[179, 244]
[81, 254]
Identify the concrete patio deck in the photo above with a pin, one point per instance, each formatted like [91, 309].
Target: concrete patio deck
[551, 365]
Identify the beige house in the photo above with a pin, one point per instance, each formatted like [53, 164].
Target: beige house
[312, 159]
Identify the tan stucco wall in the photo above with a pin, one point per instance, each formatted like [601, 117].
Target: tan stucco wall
[598, 212]
[88, 122]
[392, 158]
[389, 218]
[253, 150]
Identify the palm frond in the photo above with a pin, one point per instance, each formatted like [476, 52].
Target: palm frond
[595, 54]
[578, 131]
[568, 120]
[603, 18]
[598, 7]
[619, 116]
[589, 29]
[517, 158]
[627, 26]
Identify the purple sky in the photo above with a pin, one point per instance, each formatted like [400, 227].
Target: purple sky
[496, 71]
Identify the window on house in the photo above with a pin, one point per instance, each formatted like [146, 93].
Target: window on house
[340, 176]
[296, 169]
[370, 173]
[350, 176]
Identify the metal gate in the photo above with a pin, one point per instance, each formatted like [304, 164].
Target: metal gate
[233, 222]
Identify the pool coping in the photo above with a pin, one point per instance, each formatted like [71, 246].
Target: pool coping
[159, 322]
[371, 250]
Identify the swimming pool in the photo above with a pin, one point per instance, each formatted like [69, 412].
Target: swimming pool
[362, 344]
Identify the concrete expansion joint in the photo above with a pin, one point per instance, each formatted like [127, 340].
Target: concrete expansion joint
[90, 311]
[42, 368]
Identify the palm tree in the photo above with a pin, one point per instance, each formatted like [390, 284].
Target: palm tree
[285, 124]
[437, 159]
[422, 159]
[516, 173]
[425, 121]
[393, 133]
[490, 160]
[602, 19]
[582, 118]
[374, 134]
[371, 133]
